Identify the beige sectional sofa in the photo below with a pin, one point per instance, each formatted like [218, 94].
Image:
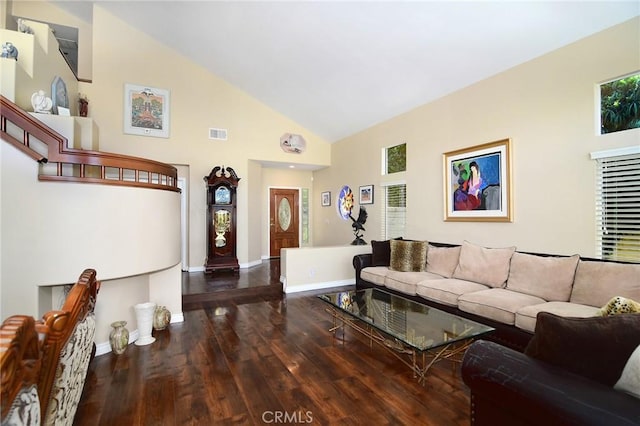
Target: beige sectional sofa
[499, 286]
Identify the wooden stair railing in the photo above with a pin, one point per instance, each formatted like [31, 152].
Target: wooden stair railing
[86, 166]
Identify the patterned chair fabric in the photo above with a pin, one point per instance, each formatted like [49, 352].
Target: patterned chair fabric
[67, 351]
[71, 373]
[20, 363]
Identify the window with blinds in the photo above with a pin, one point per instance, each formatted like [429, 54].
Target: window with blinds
[395, 210]
[618, 204]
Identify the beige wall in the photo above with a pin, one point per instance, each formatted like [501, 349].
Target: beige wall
[199, 101]
[47, 12]
[36, 68]
[313, 268]
[52, 231]
[546, 106]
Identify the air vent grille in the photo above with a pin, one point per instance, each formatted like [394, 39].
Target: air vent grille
[218, 134]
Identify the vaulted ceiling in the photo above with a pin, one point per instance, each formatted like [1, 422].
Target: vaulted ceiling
[338, 67]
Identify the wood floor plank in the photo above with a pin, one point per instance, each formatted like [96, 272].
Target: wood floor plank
[245, 361]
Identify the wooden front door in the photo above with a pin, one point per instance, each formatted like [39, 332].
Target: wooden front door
[284, 221]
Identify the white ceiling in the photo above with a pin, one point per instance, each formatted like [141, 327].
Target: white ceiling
[338, 67]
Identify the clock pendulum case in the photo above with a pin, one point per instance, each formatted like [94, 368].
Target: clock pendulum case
[221, 219]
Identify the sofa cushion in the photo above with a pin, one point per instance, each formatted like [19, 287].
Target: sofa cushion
[375, 274]
[380, 253]
[629, 381]
[619, 305]
[548, 277]
[442, 260]
[483, 265]
[597, 282]
[498, 304]
[597, 348]
[526, 317]
[405, 282]
[408, 256]
[446, 290]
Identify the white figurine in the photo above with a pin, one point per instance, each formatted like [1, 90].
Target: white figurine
[23, 27]
[9, 51]
[41, 103]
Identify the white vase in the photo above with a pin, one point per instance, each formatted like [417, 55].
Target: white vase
[144, 316]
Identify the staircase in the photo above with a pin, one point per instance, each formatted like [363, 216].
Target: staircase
[125, 224]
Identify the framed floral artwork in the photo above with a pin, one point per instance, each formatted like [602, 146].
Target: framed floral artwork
[146, 111]
[477, 183]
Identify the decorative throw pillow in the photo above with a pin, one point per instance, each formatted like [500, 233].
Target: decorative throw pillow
[630, 379]
[442, 260]
[488, 266]
[380, 253]
[620, 305]
[597, 348]
[408, 256]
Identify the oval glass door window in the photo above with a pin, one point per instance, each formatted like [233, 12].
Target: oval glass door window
[284, 214]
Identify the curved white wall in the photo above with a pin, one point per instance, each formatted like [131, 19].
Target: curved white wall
[51, 232]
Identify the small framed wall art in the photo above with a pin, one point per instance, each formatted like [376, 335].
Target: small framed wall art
[366, 194]
[326, 199]
[477, 183]
[146, 111]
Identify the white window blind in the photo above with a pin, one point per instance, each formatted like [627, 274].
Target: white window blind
[618, 206]
[395, 210]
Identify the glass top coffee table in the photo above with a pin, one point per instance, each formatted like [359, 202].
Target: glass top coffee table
[417, 334]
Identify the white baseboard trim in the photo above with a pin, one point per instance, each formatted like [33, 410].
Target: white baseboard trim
[242, 266]
[175, 318]
[104, 347]
[319, 286]
[250, 264]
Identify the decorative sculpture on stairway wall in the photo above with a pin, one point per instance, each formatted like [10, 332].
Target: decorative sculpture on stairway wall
[358, 227]
[41, 103]
[9, 51]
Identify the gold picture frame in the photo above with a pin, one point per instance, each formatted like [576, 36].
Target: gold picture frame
[477, 183]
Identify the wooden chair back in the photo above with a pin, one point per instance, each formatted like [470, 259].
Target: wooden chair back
[21, 341]
[67, 350]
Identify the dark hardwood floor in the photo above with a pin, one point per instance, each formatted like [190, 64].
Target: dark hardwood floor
[264, 359]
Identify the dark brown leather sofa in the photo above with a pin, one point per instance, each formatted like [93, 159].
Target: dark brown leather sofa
[511, 388]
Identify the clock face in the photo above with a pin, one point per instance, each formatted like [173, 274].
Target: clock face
[222, 195]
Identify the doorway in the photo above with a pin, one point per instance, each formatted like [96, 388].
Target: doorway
[184, 242]
[284, 219]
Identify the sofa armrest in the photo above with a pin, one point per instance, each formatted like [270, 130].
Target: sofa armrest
[361, 261]
[508, 387]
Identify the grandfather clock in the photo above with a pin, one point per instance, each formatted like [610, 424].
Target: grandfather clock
[221, 219]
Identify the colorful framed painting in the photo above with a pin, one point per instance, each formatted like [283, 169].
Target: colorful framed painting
[146, 111]
[477, 183]
[366, 194]
[326, 199]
